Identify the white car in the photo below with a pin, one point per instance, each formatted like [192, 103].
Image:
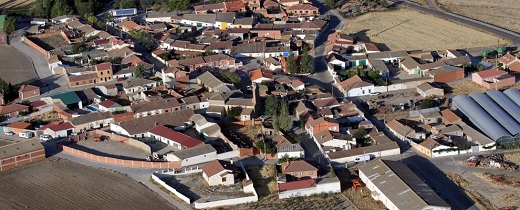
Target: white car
[10, 133]
[375, 93]
[45, 137]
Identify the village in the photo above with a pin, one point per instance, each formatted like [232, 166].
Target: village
[255, 104]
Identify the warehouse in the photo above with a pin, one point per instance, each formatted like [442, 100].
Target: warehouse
[21, 153]
[494, 113]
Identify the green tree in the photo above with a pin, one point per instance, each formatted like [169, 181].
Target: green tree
[360, 136]
[383, 3]
[10, 25]
[145, 4]
[231, 76]
[273, 9]
[271, 106]
[166, 56]
[140, 71]
[265, 147]
[292, 64]
[208, 52]
[4, 87]
[284, 119]
[125, 4]
[234, 112]
[61, 7]
[178, 5]
[484, 53]
[144, 38]
[330, 3]
[427, 103]
[91, 18]
[307, 63]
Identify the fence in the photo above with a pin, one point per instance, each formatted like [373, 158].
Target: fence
[182, 171]
[175, 192]
[120, 162]
[34, 45]
[227, 202]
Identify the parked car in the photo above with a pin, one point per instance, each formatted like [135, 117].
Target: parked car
[375, 93]
[362, 158]
[10, 133]
[26, 134]
[45, 137]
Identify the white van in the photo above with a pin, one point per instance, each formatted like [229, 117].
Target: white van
[26, 134]
[45, 137]
[362, 158]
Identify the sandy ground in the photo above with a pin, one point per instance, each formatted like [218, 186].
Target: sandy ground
[113, 149]
[60, 184]
[411, 30]
[487, 194]
[503, 13]
[12, 4]
[15, 67]
[465, 87]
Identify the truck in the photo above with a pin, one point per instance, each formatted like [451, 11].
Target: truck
[362, 158]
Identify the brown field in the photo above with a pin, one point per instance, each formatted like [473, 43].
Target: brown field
[411, 30]
[15, 4]
[465, 87]
[60, 184]
[503, 13]
[15, 67]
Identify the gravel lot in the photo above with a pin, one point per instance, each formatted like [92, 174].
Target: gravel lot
[60, 184]
[15, 67]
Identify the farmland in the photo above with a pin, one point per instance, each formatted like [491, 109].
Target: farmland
[503, 13]
[60, 184]
[16, 67]
[411, 30]
[15, 4]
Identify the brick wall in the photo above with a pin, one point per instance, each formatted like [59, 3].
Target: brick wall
[23, 159]
[120, 162]
[35, 46]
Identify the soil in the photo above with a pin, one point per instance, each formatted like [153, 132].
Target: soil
[463, 88]
[359, 196]
[411, 30]
[16, 67]
[10, 4]
[514, 158]
[60, 184]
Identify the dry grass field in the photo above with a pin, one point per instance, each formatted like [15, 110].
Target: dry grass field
[411, 30]
[503, 13]
[464, 88]
[60, 184]
[15, 67]
[15, 4]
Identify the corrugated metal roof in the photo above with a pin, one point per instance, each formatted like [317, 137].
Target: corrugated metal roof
[506, 103]
[479, 117]
[513, 94]
[496, 112]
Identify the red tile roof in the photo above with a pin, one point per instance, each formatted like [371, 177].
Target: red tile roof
[491, 73]
[108, 103]
[48, 125]
[19, 125]
[38, 103]
[104, 66]
[216, 166]
[63, 126]
[180, 138]
[261, 73]
[25, 88]
[308, 183]
[235, 5]
[297, 166]
[11, 108]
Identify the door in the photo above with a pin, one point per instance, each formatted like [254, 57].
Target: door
[223, 26]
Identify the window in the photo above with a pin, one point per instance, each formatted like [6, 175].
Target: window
[224, 179]
[101, 73]
[77, 83]
[310, 172]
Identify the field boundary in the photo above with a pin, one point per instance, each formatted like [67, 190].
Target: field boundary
[120, 162]
[170, 189]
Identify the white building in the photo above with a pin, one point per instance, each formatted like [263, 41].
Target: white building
[219, 172]
[173, 138]
[355, 86]
[196, 155]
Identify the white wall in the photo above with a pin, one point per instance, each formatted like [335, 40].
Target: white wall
[331, 187]
[390, 152]
[296, 154]
[228, 155]
[297, 193]
[216, 179]
[193, 160]
[175, 192]
[359, 91]
[337, 143]
[228, 202]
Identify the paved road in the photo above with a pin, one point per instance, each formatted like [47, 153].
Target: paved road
[435, 10]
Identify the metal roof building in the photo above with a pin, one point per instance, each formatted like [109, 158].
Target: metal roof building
[496, 112]
[513, 94]
[479, 117]
[506, 103]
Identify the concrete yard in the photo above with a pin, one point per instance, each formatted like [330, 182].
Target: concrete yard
[195, 187]
[16, 67]
[110, 148]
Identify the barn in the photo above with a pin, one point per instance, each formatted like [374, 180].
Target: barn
[21, 153]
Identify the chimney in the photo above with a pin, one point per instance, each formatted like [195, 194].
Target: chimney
[231, 161]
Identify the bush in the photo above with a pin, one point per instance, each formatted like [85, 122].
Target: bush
[231, 76]
[427, 103]
[234, 112]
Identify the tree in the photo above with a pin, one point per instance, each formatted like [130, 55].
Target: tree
[144, 38]
[330, 3]
[92, 19]
[208, 52]
[271, 106]
[427, 103]
[4, 87]
[383, 3]
[234, 112]
[10, 25]
[360, 136]
[125, 4]
[61, 7]
[307, 63]
[292, 64]
[273, 10]
[140, 71]
[231, 76]
[484, 53]
[265, 147]
[145, 4]
[166, 56]
[178, 5]
[284, 120]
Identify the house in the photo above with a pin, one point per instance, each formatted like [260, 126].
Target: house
[336, 62]
[209, 130]
[137, 85]
[139, 127]
[128, 25]
[449, 117]
[381, 149]
[297, 85]
[216, 61]
[200, 20]
[510, 62]
[272, 63]
[224, 20]
[39, 21]
[431, 117]
[196, 102]
[38, 105]
[159, 16]
[173, 138]
[299, 169]
[13, 110]
[82, 79]
[302, 10]
[493, 79]
[21, 153]
[155, 107]
[243, 23]
[427, 90]
[394, 184]
[222, 47]
[17, 127]
[110, 106]
[446, 74]
[216, 111]
[403, 132]
[316, 125]
[260, 75]
[219, 172]
[235, 6]
[58, 130]
[288, 3]
[210, 81]
[213, 8]
[28, 91]
[323, 103]
[193, 156]
[92, 120]
[325, 138]
[355, 86]
[285, 147]
[104, 72]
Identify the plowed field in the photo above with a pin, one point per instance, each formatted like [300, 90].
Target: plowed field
[60, 184]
